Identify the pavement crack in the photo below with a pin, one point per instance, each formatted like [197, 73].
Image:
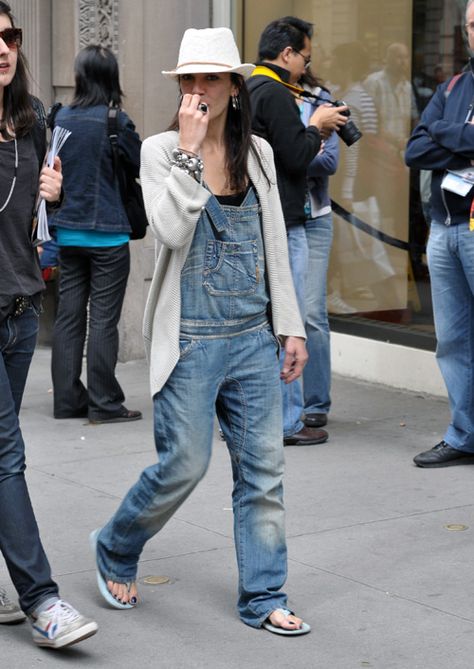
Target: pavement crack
[378, 520]
[380, 590]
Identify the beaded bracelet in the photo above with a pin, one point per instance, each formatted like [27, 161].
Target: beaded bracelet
[192, 165]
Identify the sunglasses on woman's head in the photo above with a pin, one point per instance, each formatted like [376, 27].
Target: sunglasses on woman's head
[12, 37]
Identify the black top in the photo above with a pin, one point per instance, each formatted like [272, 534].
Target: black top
[20, 272]
[233, 200]
[276, 118]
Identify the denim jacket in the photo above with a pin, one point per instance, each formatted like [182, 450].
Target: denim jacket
[324, 164]
[92, 198]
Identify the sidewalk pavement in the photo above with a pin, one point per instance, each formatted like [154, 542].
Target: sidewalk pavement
[374, 567]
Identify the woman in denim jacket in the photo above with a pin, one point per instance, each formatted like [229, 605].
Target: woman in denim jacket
[220, 295]
[319, 235]
[92, 233]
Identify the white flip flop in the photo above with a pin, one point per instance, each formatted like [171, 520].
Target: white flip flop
[103, 589]
[298, 631]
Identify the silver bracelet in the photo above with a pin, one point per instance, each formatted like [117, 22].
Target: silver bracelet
[192, 165]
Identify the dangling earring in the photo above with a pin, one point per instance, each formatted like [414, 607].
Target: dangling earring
[235, 103]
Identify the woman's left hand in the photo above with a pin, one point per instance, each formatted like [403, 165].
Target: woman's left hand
[295, 359]
[51, 181]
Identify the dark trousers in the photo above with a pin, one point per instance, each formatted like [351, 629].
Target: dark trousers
[98, 277]
[19, 537]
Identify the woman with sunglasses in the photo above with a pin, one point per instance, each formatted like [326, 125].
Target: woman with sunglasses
[220, 297]
[22, 146]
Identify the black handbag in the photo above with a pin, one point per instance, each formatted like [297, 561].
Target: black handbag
[130, 189]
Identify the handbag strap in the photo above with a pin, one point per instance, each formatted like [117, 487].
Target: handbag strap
[112, 131]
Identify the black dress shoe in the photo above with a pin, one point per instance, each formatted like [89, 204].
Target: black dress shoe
[122, 416]
[307, 436]
[443, 455]
[316, 419]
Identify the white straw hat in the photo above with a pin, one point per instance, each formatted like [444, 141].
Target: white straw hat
[209, 50]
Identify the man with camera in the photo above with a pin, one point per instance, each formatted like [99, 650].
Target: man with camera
[284, 52]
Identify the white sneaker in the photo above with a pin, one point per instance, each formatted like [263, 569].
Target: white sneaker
[9, 612]
[61, 625]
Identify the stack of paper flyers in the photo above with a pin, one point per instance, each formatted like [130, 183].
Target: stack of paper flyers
[41, 230]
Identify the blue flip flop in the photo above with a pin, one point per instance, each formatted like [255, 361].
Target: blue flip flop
[298, 631]
[103, 589]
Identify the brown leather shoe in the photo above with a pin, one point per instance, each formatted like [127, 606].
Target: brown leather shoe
[307, 436]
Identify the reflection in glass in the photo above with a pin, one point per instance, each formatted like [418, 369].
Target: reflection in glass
[385, 59]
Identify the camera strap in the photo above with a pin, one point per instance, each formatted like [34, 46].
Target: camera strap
[267, 72]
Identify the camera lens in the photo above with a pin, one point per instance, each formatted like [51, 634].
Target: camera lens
[349, 133]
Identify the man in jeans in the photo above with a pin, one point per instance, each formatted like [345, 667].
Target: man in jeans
[284, 53]
[443, 142]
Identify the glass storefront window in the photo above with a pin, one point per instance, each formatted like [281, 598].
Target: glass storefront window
[385, 59]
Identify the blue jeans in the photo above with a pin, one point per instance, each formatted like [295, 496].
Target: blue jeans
[317, 373]
[451, 265]
[292, 393]
[237, 376]
[19, 537]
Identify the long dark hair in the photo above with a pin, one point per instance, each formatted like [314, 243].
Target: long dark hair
[237, 137]
[97, 78]
[17, 109]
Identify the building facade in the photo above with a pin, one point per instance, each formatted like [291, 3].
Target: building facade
[395, 51]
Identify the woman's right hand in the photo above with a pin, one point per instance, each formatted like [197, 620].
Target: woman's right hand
[192, 124]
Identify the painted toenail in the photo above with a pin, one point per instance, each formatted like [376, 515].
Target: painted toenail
[133, 600]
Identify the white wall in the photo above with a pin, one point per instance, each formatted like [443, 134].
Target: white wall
[390, 364]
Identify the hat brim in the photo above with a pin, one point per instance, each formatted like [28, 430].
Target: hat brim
[245, 70]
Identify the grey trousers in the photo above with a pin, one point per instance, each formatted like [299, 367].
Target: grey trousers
[98, 277]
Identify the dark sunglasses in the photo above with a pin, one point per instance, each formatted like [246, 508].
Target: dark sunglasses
[12, 37]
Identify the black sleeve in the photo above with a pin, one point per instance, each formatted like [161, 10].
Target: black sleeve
[293, 144]
[38, 132]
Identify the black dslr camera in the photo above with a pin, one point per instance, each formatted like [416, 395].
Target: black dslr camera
[349, 133]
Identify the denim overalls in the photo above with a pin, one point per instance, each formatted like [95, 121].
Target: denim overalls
[228, 365]
[223, 289]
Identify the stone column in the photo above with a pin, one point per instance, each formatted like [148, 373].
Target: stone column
[145, 35]
[35, 20]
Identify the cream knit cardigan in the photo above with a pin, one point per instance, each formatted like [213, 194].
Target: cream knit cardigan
[173, 202]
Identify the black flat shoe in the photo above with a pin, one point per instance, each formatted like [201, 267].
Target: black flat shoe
[122, 416]
[443, 455]
[315, 419]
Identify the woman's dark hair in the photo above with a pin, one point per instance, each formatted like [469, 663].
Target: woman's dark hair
[237, 137]
[97, 78]
[288, 31]
[310, 79]
[17, 108]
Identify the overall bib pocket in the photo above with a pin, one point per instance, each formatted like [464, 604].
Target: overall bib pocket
[231, 268]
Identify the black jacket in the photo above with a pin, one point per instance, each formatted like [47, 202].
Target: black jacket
[276, 117]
